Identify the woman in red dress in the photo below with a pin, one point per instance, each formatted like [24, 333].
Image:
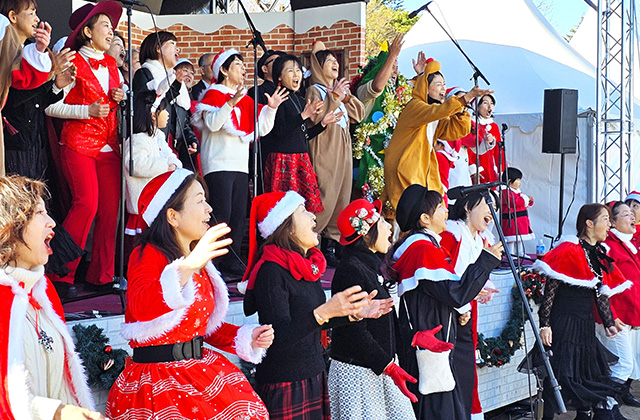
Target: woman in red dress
[177, 300]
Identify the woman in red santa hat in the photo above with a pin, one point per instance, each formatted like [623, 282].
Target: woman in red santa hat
[176, 301]
[579, 275]
[42, 376]
[625, 305]
[283, 285]
[466, 236]
[90, 151]
[225, 116]
[488, 139]
[429, 291]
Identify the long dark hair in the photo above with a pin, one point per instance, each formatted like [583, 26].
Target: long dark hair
[161, 234]
[428, 205]
[143, 123]
[589, 212]
[463, 205]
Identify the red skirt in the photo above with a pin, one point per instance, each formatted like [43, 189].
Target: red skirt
[307, 399]
[293, 172]
[209, 388]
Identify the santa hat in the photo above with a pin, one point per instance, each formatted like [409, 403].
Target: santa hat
[219, 60]
[268, 212]
[158, 192]
[452, 91]
[633, 195]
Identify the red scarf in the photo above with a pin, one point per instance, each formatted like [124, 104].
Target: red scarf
[309, 269]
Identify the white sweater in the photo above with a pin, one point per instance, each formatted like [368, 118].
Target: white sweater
[151, 157]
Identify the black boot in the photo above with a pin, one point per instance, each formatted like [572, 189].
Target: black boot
[329, 251]
[627, 398]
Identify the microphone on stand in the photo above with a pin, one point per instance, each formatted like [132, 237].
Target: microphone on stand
[456, 193]
[420, 9]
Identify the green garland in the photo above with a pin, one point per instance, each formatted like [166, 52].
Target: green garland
[497, 351]
[102, 363]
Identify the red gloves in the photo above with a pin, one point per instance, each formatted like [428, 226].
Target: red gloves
[427, 340]
[400, 377]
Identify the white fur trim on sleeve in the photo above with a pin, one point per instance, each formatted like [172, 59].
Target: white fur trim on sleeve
[279, 213]
[174, 295]
[221, 296]
[607, 291]
[544, 268]
[243, 347]
[39, 61]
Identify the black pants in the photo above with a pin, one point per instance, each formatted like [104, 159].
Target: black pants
[228, 195]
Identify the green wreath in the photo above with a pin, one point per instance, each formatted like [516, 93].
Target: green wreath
[102, 363]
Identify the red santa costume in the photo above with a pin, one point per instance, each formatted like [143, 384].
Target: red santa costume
[490, 154]
[515, 217]
[171, 376]
[90, 151]
[465, 249]
[635, 195]
[36, 380]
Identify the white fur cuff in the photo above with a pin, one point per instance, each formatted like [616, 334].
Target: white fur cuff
[39, 61]
[174, 295]
[243, 347]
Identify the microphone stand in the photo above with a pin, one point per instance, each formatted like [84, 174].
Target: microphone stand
[545, 355]
[255, 41]
[476, 74]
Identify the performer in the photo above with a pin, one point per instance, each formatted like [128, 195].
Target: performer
[90, 151]
[225, 116]
[384, 93]
[204, 62]
[177, 300]
[410, 157]
[466, 235]
[489, 139]
[265, 72]
[42, 375]
[515, 216]
[282, 285]
[578, 275]
[288, 167]
[633, 201]
[429, 291]
[625, 305]
[364, 380]
[331, 152]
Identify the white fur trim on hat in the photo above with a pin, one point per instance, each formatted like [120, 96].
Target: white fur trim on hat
[279, 213]
[219, 61]
[633, 195]
[164, 193]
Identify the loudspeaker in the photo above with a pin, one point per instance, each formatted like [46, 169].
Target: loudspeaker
[560, 121]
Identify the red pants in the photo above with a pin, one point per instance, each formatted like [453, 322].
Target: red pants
[95, 193]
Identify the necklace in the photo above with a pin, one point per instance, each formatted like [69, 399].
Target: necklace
[297, 105]
[593, 270]
[43, 338]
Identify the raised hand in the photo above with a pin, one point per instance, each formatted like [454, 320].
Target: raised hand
[210, 246]
[179, 76]
[400, 378]
[117, 94]
[62, 60]
[312, 108]
[66, 77]
[193, 148]
[345, 303]
[42, 36]
[420, 63]
[279, 96]
[476, 92]
[262, 337]
[396, 46]
[98, 109]
[496, 249]
[331, 117]
[340, 88]
[427, 340]
[240, 92]
[376, 307]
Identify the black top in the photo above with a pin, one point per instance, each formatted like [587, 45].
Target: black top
[290, 133]
[179, 126]
[368, 343]
[287, 304]
[197, 90]
[266, 87]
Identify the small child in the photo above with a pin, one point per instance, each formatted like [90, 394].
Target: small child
[515, 218]
[151, 153]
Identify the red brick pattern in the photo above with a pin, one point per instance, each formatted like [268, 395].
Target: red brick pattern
[342, 35]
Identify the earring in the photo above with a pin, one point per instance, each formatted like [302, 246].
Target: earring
[92, 45]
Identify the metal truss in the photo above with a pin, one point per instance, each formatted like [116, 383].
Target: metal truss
[614, 99]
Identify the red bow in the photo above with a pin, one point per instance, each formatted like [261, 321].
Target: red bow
[95, 64]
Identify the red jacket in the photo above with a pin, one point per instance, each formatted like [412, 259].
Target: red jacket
[626, 305]
[88, 137]
[489, 160]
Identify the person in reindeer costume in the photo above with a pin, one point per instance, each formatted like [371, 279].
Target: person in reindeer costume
[225, 116]
[580, 278]
[176, 301]
[42, 376]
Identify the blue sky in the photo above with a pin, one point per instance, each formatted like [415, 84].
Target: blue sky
[562, 14]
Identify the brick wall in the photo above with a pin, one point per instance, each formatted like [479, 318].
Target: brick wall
[342, 35]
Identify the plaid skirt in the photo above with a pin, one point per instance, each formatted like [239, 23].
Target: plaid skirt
[293, 172]
[301, 400]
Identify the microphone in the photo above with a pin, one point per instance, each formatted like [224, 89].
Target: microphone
[420, 9]
[460, 192]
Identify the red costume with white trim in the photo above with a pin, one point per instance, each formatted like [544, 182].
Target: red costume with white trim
[515, 218]
[160, 311]
[626, 305]
[14, 388]
[488, 160]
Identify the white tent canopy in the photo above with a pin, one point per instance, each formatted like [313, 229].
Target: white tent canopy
[521, 55]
